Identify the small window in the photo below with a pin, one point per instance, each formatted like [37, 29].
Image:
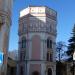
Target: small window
[51, 57]
[23, 42]
[47, 43]
[24, 27]
[50, 43]
[47, 56]
[22, 56]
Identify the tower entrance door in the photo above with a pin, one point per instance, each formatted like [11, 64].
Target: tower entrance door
[49, 71]
[35, 73]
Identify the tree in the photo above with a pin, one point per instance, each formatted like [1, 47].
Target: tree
[60, 51]
[60, 68]
[71, 45]
[61, 55]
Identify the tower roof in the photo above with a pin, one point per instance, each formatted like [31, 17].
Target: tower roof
[37, 9]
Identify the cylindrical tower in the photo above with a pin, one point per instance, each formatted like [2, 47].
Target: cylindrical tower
[5, 22]
[37, 41]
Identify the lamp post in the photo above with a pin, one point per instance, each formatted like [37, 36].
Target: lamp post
[73, 61]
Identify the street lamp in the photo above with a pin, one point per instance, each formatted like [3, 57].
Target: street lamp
[73, 61]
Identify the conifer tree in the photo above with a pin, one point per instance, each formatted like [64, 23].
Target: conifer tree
[71, 45]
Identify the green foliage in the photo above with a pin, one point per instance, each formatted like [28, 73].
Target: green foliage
[71, 45]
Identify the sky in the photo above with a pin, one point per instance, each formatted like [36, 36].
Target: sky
[65, 18]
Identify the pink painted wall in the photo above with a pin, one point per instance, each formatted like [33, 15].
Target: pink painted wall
[36, 48]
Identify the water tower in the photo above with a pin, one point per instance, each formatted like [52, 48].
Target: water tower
[37, 41]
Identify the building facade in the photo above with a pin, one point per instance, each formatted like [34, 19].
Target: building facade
[37, 41]
[12, 62]
[13, 54]
[5, 22]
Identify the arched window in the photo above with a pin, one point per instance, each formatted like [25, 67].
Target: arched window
[51, 58]
[22, 56]
[23, 45]
[49, 71]
[47, 56]
[49, 43]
